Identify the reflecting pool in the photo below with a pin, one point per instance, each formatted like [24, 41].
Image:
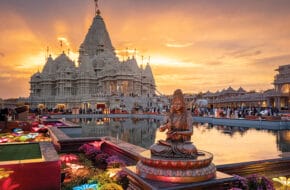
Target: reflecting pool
[228, 144]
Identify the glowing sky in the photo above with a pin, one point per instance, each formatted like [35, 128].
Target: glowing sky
[193, 45]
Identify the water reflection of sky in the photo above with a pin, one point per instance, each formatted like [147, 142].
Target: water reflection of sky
[228, 144]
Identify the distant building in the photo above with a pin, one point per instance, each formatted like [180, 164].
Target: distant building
[100, 80]
[279, 97]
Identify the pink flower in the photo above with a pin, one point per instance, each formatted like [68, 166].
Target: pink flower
[97, 144]
[68, 158]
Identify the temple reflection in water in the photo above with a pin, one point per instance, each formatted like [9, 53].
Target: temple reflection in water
[220, 140]
[283, 141]
[140, 132]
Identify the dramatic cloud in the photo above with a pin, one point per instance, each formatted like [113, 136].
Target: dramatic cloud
[194, 45]
[176, 45]
[276, 60]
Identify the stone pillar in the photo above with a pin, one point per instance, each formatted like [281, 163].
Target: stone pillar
[278, 105]
[268, 102]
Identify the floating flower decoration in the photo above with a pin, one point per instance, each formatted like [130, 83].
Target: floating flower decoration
[5, 173]
[93, 186]
[283, 180]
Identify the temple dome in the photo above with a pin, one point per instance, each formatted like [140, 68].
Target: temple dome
[48, 67]
[36, 77]
[62, 62]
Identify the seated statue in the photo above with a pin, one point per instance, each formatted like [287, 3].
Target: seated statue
[179, 130]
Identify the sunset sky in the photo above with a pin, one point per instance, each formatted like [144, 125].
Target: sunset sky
[193, 45]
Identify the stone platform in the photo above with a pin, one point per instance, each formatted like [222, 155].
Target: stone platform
[220, 181]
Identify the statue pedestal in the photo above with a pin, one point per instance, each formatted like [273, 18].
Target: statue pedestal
[136, 182]
[176, 170]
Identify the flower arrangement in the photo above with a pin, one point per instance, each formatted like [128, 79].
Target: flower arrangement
[100, 160]
[89, 150]
[69, 164]
[122, 179]
[102, 178]
[22, 137]
[115, 162]
[68, 158]
[282, 180]
[94, 164]
[254, 182]
[97, 144]
[111, 186]
[259, 182]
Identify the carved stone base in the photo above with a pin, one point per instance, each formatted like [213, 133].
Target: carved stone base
[176, 170]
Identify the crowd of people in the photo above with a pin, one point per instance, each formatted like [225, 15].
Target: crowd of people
[7, 114]
[240, 112]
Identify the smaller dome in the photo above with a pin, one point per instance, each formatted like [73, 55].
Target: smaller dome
[62, 62]
[36, 77]
[48, 67]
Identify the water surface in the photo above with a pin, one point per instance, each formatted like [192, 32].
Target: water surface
[228, 144]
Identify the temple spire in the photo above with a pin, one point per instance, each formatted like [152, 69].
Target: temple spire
[97, 10]
[47, 53]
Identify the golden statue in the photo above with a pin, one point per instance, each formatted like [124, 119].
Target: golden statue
[178, 123]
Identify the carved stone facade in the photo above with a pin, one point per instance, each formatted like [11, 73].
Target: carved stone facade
[99, 77]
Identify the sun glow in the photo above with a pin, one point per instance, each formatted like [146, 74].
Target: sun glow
[63, 40]
[160, 60]
[176, 45]
[33, 61]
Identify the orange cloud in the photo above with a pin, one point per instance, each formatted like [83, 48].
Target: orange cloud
[196, 46]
